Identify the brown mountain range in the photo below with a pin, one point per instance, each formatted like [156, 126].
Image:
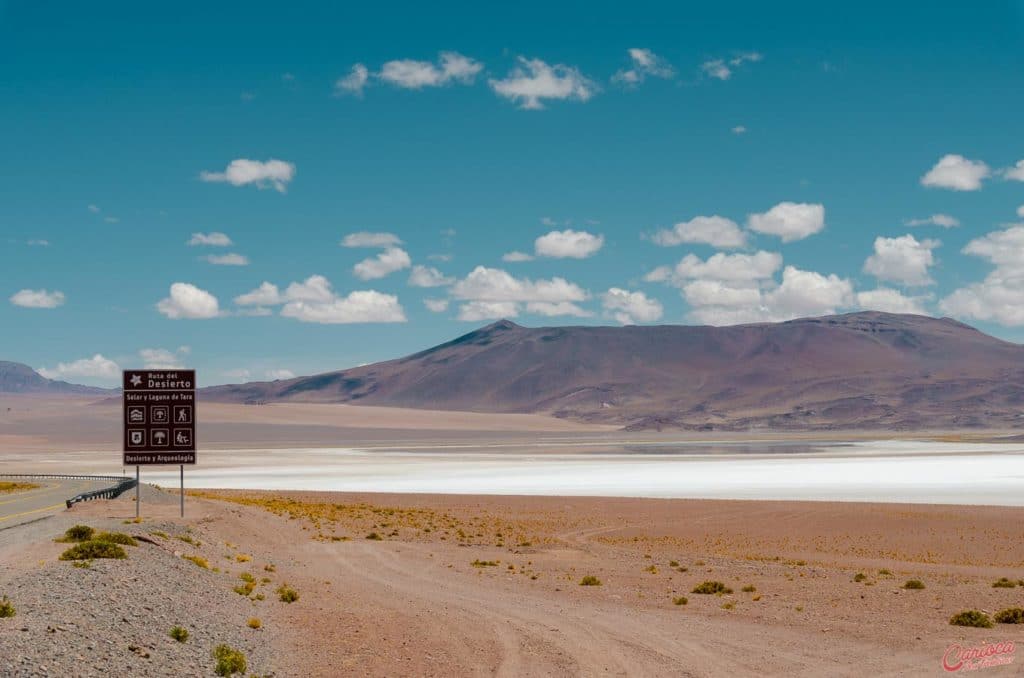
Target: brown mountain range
[859, 370]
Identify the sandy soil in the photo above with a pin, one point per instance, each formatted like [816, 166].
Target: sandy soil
[414, 603]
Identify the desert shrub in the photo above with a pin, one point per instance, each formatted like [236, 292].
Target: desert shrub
[270, 567]
[88, 550]
[914, 584]
[652, 569]
[287, 594]
[749, 588]
[590, 580]
[975, 618]
[484, 563]
[859, 577]
[229, 661]
[373, 536]
[6, 608]
[728, 606]
[179, 633]
[243, 558]
[680, 600]
[158, 533]
[244, 589]
[77, 533]
[710, 587]
[82, 564]
[884, 573]
[1004, 583]
[247, 578]
[1011, 615]
[254, 623]
[116, 538]
[673, 563]
[199, 561]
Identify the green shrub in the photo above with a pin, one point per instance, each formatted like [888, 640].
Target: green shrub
[116, 538]
[229, 661]
[484, 563]
[749, 588]
[681, 600]
[287, 594]
[1004, 583]
[179, 633]
[88, 550]
[373, 536]
[975, 618]
[77, 533]
[884, 572]
[710, 587]
[590, 580]
[6, 608]
[673, 563]
[914, 584]
[1011, 615]
[859, 577]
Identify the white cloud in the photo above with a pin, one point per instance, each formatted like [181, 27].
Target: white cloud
[568, 244]
[643, 63]
[354, 82]
[714, 230]
[629, 308]
[368, 239]
[212, 239]
[1015, 173]
[188, 301]
[890, 301]
[943, 220]
[232, 259]
[37, 298]
[266, 294]
[411, 74]
[807, 293]
[533, 80]
[37, 242]
[239, 373]
[1020, 211]
[315, 288]
[161, 358]
[733, 267]
[789, 220]
[722, 69]
[96, 367]
[475, 311]
[552, 309]
[427, 276]
[385, 263]
[956, 173]
[94, 209]
[242, 172]
[739, 129]
[436, 305]
[516, 256]
[903, 260]
[274, 375]
[361, 306]
[1004, 248]
[998, 297]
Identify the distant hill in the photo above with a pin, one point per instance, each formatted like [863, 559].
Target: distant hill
[859, 370]
[19, 378]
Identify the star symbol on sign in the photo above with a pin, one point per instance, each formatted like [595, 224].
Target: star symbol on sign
[136, 380]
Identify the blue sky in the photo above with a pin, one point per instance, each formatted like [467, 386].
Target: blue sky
[649, 163]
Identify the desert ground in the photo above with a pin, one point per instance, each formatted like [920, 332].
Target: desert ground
[465, 585]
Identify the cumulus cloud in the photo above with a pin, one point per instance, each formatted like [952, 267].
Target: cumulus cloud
[643, 63]
[943, 220]
[232, 259]
[714, 230]
[568, 244]
[452, 67]
[533, 80]
[551, 309]
[162, 358]
[212, 239]
[516, 256]
[1020, 211]
[727, 267]
[903, 260]
[1015, 173]
[891, 301]
[242, 172]
[370, 239]
[188, 301]
[266, 294]
[476, 311]
[998, 297]
[361, 306]
[37, 298]
[630, 308]
[97, 367]
[354, 82]
[956, 173]
[436, 305]
[722, 69]
[789, 220]
[427, 276]
[494, 293]
[385, 263]
[739, 129]
[280, 373]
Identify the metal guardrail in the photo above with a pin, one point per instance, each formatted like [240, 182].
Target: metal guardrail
[121, 484]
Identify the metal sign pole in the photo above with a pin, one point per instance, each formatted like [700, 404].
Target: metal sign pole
[181, 469]
[138, 501]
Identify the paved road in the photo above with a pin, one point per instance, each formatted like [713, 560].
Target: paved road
[48, 498]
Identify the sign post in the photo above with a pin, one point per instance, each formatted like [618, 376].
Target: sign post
[159, 422]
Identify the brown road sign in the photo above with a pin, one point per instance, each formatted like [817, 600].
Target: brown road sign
[159, 417]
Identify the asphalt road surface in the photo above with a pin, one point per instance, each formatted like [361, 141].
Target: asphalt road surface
[22, 507]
